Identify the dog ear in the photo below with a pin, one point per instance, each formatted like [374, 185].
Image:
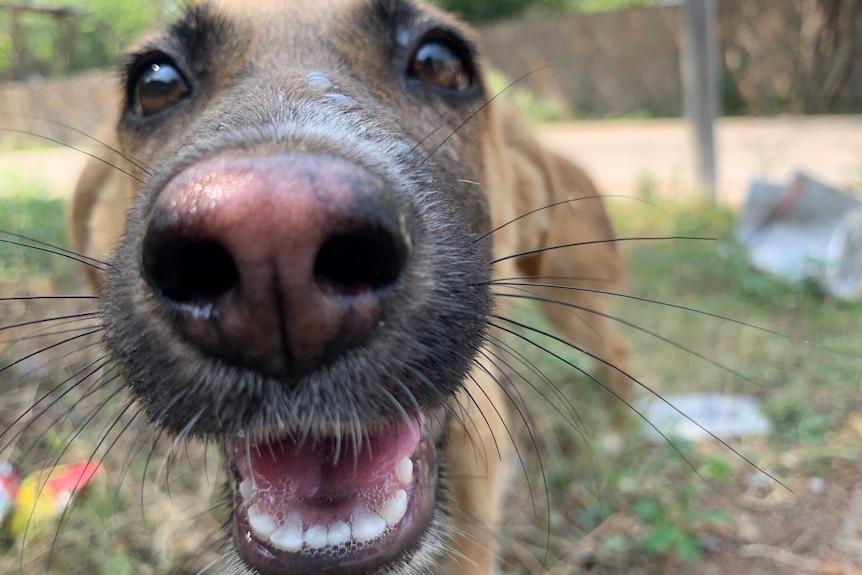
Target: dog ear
[97, 213]
[568, 242]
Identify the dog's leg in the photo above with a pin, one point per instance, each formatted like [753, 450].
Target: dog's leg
[478, 449]
[584, 266]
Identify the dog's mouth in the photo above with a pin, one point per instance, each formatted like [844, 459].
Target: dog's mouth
[320, 505]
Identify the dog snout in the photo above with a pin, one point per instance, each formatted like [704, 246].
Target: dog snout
[275, 263]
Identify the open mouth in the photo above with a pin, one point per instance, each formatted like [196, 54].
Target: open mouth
[319, 506]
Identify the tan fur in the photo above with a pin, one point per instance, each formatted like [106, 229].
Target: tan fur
[521, 176]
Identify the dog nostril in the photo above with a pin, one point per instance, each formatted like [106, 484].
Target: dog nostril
[369, 260]
[191, 272]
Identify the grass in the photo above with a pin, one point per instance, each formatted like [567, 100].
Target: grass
[806, 373]
[609, 490]
[111, 530]
[25, 210]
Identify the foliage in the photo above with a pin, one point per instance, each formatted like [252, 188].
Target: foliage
[535, 107]
[97, 37]
[673, 518]
[478, 10]
[25, 210]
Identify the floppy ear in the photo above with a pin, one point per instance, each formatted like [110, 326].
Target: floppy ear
[524, 176]
[97, 213]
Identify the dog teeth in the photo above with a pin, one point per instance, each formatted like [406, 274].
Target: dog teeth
[246, 489]
[288, 537]
[316, 537]
[339, 533]
[367, 525]
[262, 524]
[404, 471]
[395, 508]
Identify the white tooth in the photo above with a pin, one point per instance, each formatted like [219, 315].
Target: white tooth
[404, 471]
[246, 489]
[315, 537]
[367, 525]
[288, 537]
[394, 509]
[261, 523]
[339, 533]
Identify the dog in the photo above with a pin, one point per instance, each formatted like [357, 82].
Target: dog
[308, 208]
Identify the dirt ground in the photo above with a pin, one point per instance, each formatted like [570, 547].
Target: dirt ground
[818, 528]
[624, 155]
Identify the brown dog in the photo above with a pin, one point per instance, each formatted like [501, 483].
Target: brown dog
[301, 267]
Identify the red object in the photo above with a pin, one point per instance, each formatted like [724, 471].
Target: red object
[8, 488]
[72, 477]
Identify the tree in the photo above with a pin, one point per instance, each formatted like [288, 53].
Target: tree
[477, 10]
[492, 9]
[829, 55]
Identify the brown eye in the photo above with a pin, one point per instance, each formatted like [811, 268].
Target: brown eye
[438, 64]
[159, 86]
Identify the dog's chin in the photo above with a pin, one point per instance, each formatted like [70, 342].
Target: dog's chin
[343, 504]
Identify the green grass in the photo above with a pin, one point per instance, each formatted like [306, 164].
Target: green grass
[26, 210]
[808, 376]
[582, 471]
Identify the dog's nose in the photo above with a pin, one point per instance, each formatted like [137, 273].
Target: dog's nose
[275, 263]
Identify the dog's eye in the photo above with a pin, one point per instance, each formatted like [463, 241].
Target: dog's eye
[439, 64]
[159, 86]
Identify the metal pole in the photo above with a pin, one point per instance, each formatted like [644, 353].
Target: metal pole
[699, 69]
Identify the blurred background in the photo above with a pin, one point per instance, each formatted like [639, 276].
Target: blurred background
[624, 60]
[674, 108]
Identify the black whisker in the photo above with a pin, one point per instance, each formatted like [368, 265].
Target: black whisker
[92, 458]
[509, 283]
[483, 107]
[97, 385]
[59, 249]
[573, 418]
[149, 459]
[605, 241]
[422, 378]
[55, 252]
[528, 426]
[71, 321]
[137, 163]
[71, 147]
[628, 404]
[595, 380]
[47, 297]
[87, 420]
[26, 376]
[562, 203]
[42, 334]
[134, 449]
[89, 314]
[652, 333]
[46, 348]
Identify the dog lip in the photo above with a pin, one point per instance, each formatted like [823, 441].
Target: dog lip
[314, 505]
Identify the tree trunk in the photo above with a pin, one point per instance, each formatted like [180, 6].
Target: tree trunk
[830, 46]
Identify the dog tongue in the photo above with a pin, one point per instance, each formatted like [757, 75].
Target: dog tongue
[326, 470]
[323, 480]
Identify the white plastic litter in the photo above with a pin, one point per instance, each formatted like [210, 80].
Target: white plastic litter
[805, 229]
[726, 416]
